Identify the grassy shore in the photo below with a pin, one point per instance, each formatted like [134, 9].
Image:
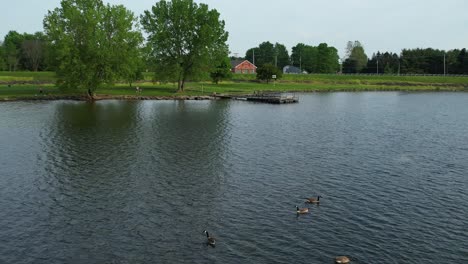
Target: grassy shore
[40, 85]
[31, 77]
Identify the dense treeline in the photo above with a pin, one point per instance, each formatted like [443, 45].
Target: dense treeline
[324, 59]
[409, 61]
[23, 52]
[311, 59]
[419, 61]
[33, 52]
[268, 53]
[315, 59]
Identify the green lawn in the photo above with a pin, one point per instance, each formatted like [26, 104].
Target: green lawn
[27, 76]
[363, 79]
[28, 91]
[27, 85]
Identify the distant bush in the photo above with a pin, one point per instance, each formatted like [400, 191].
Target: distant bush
[267, 72]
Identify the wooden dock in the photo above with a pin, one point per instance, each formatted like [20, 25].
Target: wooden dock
[270, 98]
[273, 98]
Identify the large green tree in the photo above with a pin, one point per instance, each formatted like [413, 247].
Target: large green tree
[327, 59]
[304, 57]
[315, 59]
[93, 43]
[263, 54]
[268, 53]
[186, 39]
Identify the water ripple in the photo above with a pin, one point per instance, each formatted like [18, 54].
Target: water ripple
[138, 182]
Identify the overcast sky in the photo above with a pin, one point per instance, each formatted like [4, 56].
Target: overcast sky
[380, 25]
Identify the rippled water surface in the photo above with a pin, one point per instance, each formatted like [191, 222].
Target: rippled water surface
[139, 182]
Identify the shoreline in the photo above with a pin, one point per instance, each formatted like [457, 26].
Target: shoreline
[28, 86]
[84, 98]
[219, 96]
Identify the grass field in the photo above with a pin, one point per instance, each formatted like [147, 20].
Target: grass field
[27, 85]
[27, 76]
[363, 79]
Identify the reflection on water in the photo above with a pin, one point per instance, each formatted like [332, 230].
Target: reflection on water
[138, 182]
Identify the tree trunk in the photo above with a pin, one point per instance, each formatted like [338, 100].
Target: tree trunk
[90, 95]
[182, 85]
[179, 84]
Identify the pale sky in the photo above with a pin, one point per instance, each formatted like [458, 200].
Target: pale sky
[380, 25]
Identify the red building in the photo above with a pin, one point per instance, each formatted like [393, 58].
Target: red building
[243, 66]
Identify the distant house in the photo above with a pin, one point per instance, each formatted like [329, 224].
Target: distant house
[291, 70]
[243, 66]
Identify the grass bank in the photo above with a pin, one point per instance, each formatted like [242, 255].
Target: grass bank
[27, 77]
[40, 85]
[382, 80]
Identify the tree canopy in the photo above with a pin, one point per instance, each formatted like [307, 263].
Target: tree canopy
[268, 53]
[33, 49]
[303, 57]
[383, 63]
[20, 52]
[327, 59]
[222, 71]
[92, 43]
[88, 43]
[185, 39]
[267, 71]
[319, 59]
[419, 61]
[12, 49]
[281, 56]
[356, 58]
[2, 58]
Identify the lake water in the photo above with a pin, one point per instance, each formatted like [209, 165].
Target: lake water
[139, 182]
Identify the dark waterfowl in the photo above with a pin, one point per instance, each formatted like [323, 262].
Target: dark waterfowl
[210, 240]
[342, 260]
[302, 210]
[313, 200]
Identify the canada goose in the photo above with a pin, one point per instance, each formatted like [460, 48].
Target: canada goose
[210, 240]
[342, 260]
[302, 210]
[313, 200]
